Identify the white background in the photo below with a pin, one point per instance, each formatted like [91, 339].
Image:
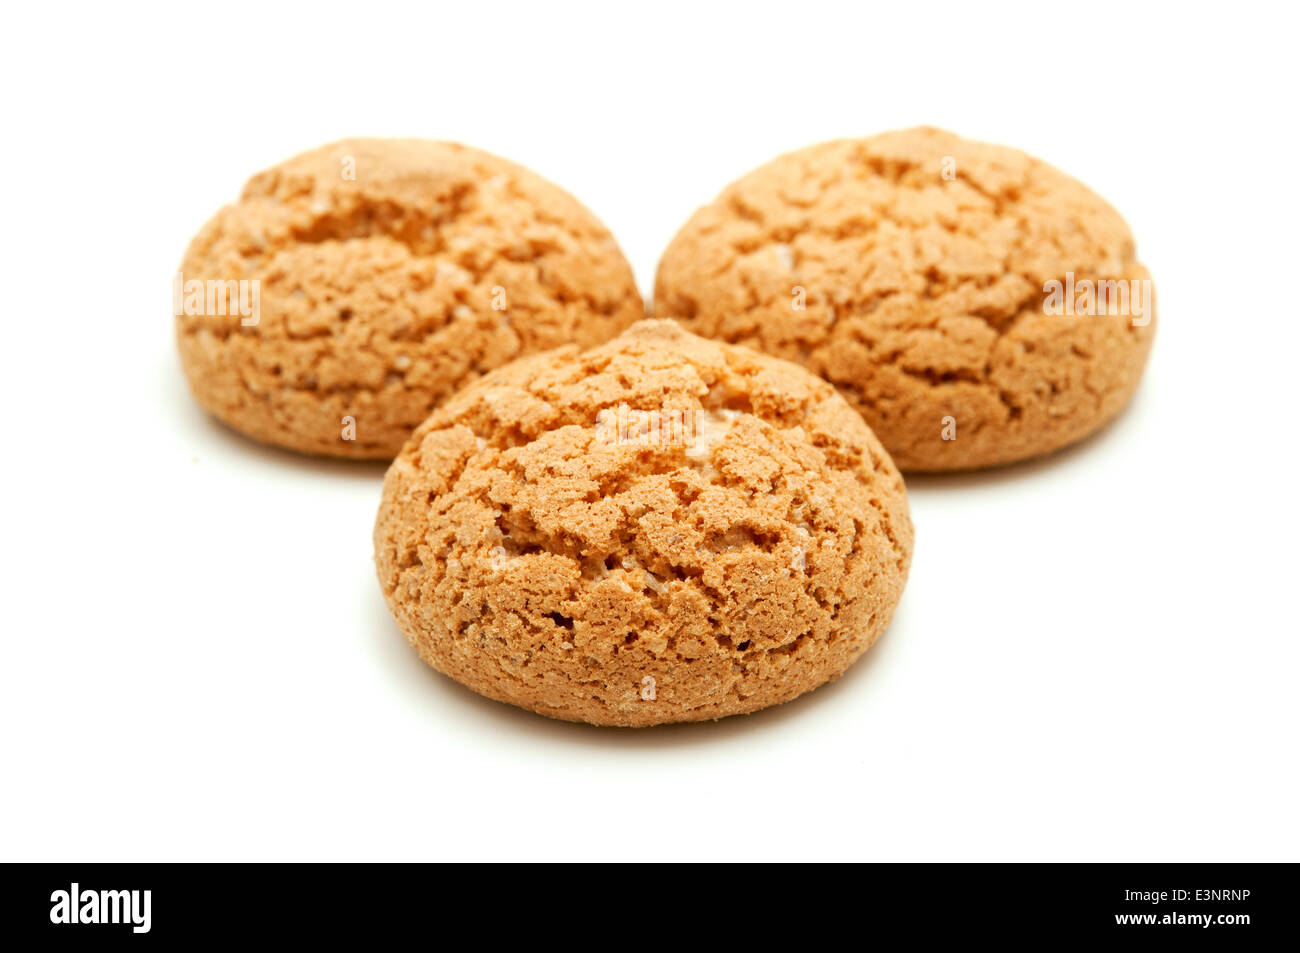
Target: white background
[1095, 658]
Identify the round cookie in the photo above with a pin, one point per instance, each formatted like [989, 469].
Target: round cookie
[661, 529]
[360, 284]
[919, 273]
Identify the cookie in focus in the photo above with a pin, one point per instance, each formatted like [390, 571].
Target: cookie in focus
[660, 529]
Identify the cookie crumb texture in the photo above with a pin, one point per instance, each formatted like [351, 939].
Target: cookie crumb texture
[922, 258]
[392, 272]
[638, 581]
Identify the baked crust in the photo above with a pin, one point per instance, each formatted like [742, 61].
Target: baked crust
[923, 260]
[535, 549]
[383, 293]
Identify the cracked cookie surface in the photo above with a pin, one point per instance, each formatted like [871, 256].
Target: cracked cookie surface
[660, 529]
[909, 269]
[391, 273]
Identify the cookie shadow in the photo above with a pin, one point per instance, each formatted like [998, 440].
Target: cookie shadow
[449, 696]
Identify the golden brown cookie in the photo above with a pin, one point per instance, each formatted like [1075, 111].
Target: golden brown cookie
[355, 287]
[944, 286]
[660, 529]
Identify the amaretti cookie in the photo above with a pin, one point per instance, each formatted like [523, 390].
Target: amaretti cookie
[977, 306]
[660, 529]
[351, 289]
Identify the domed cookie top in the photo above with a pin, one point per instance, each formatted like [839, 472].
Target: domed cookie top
[353, 288]
[974, 304]
[660, 529]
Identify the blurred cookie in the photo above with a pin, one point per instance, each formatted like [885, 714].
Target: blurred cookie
[660, 529]
[974, 304]
[353, 288]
